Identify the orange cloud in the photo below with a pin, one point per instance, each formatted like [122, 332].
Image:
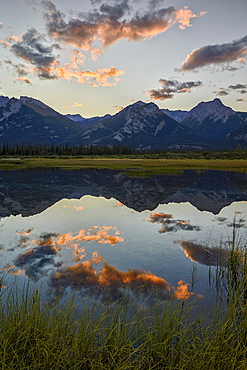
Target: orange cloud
[112, 23]
[95, 53]
[183, 17]
[23, 79]
[77, 105]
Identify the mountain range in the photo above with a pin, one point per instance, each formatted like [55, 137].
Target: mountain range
[209, 125]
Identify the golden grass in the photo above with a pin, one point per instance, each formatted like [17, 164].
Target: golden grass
[135, 167]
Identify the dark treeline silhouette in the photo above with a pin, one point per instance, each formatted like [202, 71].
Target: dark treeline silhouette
[43, 150]
[66, 149]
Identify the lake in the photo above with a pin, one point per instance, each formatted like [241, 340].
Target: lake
[107, 236]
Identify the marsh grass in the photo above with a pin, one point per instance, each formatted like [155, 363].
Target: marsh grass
[134, 167]
[38, 334]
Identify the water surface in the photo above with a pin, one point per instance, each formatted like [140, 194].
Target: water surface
[108, 235]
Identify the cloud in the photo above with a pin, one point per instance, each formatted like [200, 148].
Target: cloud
[23, 79]
[77, 105]
[205, 255]
[1, 24]
[95, 53]
[100, 77]
[171, 87]
[169, 224]
[221, 93]
[240, 88]
[111, 23]
[31, 49]
[237, 86]
[184, 16]
[216, 54]
[40, 60]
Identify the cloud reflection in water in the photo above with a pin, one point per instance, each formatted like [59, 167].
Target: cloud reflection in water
[209, 256]
[169, 224]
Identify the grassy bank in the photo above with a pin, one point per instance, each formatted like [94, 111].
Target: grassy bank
[132, 166]
[42, 336]
[35, 334]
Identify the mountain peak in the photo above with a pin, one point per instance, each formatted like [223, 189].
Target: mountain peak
[214, 109]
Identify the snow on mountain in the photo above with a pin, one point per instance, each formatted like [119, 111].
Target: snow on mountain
[215, 110]
[178, 115]
[3, 100]
[75, 117]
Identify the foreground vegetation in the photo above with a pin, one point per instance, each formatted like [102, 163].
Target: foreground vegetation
[39, 335]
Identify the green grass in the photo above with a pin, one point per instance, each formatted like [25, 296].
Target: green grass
[38, 334]
[131, 166]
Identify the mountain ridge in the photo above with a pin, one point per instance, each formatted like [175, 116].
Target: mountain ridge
[141, 125]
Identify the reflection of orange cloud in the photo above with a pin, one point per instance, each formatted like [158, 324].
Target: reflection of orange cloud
[205, 255]
[101, 236]
[79, 208]
[182, 291]
[96, 259]
[83, 275]
[159, 217]
[169, 224]
[27, 232]
[17, 272]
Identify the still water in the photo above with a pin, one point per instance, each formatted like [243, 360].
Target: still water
[107, 235]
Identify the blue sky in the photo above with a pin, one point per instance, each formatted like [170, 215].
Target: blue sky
[94, 57]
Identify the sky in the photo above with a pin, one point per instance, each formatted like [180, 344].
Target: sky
[95, 57]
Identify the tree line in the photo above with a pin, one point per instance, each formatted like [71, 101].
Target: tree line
[43, 150]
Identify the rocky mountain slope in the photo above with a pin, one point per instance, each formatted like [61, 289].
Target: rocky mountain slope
[209, 125]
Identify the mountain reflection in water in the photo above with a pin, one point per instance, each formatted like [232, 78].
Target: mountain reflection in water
[108, 235]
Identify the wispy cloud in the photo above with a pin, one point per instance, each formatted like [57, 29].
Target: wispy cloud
[171, 87]
[238, 88]
[218, 54]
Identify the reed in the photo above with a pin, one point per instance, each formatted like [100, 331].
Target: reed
[74, 334]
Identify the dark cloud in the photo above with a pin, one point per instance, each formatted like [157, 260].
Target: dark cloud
[237, 87]
[221, 93]
[111, 23]
[31, 49]
[169, 224]
[205, 255]
[216, 54]
[240, 88]
[171, 87]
